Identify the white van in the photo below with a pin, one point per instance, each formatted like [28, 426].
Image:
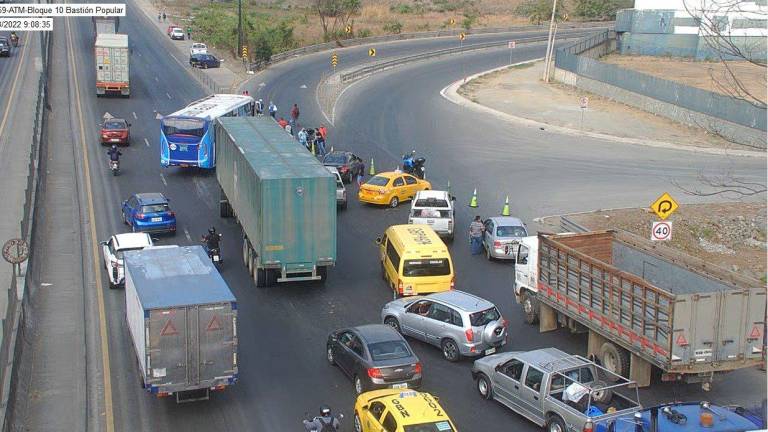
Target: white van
[434, 208]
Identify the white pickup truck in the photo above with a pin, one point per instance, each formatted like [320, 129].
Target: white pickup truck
[434, 208]
[198, 48]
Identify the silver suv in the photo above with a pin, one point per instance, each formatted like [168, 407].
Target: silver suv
[460, 323]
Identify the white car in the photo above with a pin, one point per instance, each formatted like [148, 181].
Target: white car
[177, 34]
[198, 48]
[434, 208]
[341, 191]
[113, 253]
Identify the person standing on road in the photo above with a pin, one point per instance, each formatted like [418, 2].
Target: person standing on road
[282, 122]
[302, 136]
[164, 16]
[159, 17]
[476, 229]
[272, 109]
[361, 174]
[189, 32]
[323, 132]
[260, 107]
[320, 143]
[294, 115]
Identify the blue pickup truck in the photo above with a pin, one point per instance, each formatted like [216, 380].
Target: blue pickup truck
[686, 417]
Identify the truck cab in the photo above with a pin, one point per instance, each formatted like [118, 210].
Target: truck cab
[526, 275]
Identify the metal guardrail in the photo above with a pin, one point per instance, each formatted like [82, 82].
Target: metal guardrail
[209, 82]
[414, 35]
[586, 43]
[367, 70]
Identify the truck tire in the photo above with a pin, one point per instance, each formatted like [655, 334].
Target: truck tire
[322, 271]
[601, 393]
[271, 277]
[556, 424]
[530, 308]
[615, 359]
[484, 387]
[260, 277]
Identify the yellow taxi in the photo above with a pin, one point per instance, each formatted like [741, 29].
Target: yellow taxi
[391, 188]
[393, 410]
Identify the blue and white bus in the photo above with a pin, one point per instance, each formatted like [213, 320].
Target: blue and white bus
[187, 136]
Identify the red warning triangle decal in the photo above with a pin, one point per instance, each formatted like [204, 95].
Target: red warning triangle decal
[681, 340]
[168, 329]
[214, 324]
[755, 333]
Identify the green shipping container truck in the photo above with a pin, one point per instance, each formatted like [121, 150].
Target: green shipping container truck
[282, 196]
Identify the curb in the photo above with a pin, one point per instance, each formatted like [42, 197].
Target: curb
[450, 93]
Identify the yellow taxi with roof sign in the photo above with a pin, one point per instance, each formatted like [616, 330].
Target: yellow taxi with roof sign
[392, 410]
[391, 188]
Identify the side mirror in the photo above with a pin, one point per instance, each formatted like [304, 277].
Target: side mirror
[378, 240]
[154, 239]
[103, 243]
[453, 198]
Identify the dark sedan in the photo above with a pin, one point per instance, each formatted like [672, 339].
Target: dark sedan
[375, 356]
[347, 163]
[204, 61]
[5, 47]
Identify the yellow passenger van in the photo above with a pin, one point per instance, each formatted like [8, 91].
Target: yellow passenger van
[414, 260]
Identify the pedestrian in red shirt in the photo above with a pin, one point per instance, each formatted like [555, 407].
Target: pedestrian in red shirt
[282, 122]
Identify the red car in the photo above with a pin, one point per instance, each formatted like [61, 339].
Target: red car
[115, 131]
[170, 29]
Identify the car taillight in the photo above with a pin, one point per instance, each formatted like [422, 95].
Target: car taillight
[375, 373]
[171, 214]
[470, 335]
[400, 286]
[453, 282]
[588, 427]
[417, 368]
[496, 244]
[139, 215]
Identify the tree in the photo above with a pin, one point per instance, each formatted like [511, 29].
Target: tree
[262, 48]
[726, 184]
[600, 9]
[716, 20]
[335, 15]
[538, 11]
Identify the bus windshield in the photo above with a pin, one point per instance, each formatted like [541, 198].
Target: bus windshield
[184, 126]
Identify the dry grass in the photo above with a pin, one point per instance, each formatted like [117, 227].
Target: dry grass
[711, 76]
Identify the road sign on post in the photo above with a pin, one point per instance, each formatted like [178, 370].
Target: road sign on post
[583, 103]
[245, 52]
[512, 44]
[452, 21]
[372, 52]
[334, 61]
[664, 206]
[348, 29]
[462, 36]
[661, 231]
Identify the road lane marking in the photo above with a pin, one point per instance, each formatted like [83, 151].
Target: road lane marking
[162, 177]
[109, 418]
[146, 141]
[169, 96]
[134, 115]
[186, 234]
[24, 51]
[157, 79]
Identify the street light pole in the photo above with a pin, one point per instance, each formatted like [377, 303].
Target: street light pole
[550, 42]
[239, 27]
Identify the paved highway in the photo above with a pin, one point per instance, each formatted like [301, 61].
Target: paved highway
[283, 329]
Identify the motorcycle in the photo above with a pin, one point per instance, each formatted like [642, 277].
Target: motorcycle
[14, 40]
[115, 167]
[214, 253]
[311, 425]
[414, 165]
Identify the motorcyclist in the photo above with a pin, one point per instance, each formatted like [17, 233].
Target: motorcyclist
[211, 239]
[408, 161]
[326, 421]
[114, 153]
[14, 37]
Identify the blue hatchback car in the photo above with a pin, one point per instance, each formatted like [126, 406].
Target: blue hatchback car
[149, 212]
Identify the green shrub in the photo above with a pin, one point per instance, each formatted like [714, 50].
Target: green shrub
[600, 9]
[364, 33]
[401, 8]
[393, 27]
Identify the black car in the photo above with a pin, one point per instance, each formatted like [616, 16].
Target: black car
[375, 356]
[347, 163]
[204, 61]
[5, 47]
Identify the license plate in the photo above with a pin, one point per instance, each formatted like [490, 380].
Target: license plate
[216, 258]
[490, 351]
[157, 219]
[183, 148]
[400, 386]
[115, 139]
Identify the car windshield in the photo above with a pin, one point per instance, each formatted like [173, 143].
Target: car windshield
[378, 181]
[441, 426]
[427, 267]
[120, 252]
[389, 350]
[510, 231]
[335, 158]
[155, 208]
[479, 319]
[114, 124]
[431, 202]
[184, 126]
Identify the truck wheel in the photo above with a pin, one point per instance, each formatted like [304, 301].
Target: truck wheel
[323, 273]
[556, 424]
[260, 277]
[530, 308]
[615, 359]
[601, 393]
[271, 277]
[484, 387]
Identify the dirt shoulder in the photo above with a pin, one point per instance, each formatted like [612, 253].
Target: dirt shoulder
[731, 235]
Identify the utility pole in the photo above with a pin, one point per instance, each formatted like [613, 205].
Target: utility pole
[239, 26]
[550, 42]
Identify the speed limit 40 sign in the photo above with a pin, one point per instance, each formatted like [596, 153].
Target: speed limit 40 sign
[661, 231]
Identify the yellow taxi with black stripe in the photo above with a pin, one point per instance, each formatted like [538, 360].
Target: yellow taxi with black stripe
[393, 410]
